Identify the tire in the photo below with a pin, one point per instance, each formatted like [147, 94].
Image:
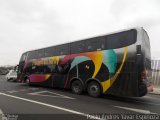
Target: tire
[77, 87]
[94, 89]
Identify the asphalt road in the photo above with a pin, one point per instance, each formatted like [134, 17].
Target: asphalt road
[25, 102]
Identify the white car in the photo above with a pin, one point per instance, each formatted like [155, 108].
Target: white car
[11, 76]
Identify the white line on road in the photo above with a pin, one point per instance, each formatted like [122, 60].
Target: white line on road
[53, 94]
[38, 92]
[23, 90]
[146, 103]
[45, 104]
[12, 91]
[53, 106]
[33, 88]
[136, 110]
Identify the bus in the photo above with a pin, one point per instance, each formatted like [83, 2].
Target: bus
[118, 64]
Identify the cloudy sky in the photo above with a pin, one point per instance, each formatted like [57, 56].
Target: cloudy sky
[31, 24]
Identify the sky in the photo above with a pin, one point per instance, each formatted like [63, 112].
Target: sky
[33, 24]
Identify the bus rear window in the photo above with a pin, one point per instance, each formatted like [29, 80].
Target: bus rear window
[122, 39]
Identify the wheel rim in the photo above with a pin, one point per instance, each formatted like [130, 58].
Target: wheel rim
[76, 88]
[94, 89]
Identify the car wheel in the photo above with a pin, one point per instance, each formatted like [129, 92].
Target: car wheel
[94, 89]
[77, 87]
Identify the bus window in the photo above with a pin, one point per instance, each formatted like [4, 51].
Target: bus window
[62, 49]
[50, 51]
[32, 54]
[23, 57]
[50, 68]
[94, 44]
[63, 69]
[119, 40]
[77, 47]
[37, 70]
[40, 53]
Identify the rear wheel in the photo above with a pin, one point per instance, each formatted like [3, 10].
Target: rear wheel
[77, 87]
[94, 89]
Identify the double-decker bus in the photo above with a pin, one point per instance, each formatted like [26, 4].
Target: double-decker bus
[117, 63]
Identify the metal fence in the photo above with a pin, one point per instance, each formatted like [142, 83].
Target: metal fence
[156, 72]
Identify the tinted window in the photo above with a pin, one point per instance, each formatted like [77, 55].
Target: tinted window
[40, 53]
[23, 57]
[77, 47]
[32, 54]
[62, 49]
[63, 69]
[39, 69]
[50, 68]
[119, 40]
[94, 44]
[51, 51]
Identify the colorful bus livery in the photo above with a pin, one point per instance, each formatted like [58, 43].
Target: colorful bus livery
[117, 64]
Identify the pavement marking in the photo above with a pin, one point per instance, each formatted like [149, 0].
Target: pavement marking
[23, 90]
[12, 91]
[144, 102]
[49, 105]
[53, 94]
[136, 110]
[147, 103]
[33, 88]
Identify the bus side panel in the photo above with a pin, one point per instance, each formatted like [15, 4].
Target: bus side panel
[37, 75]
[126, 83]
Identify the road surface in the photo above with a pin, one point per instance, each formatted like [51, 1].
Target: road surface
[37, 103]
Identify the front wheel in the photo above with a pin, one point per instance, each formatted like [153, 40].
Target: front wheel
[77, 87]
[94, 89]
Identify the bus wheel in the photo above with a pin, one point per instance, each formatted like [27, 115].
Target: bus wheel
[94, 89]
[77, 87]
